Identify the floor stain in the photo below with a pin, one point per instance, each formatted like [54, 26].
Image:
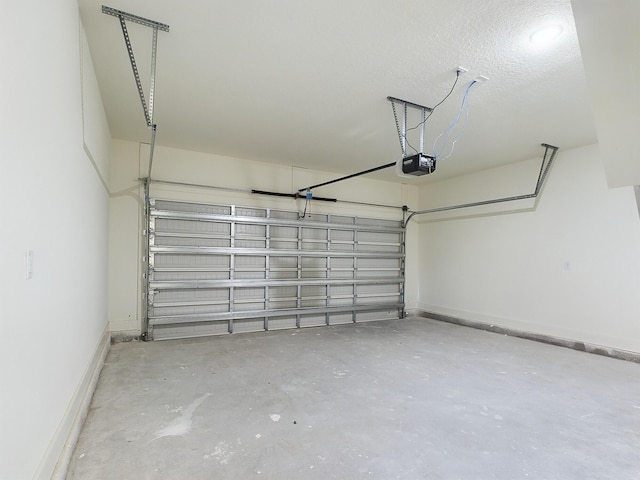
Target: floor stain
[181, 425]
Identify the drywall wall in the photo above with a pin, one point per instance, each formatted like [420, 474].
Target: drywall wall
[125, 229]
[130, 161]
[609, 43]
[570, 268]
[95, 129]
[55, 205]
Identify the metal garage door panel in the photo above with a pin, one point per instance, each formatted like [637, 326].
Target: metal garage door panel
[192, 260]
[313, 320]
[248, 325]
[280, 323]
[172, 275]
[340, 318]
[222, 269]
[186, 330]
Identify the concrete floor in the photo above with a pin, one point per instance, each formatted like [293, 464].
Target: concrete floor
[409, 399]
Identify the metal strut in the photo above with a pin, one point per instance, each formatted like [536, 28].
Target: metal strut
[402, 133]
[135, 18]
[548, 158]
[155, 26]
[148, 116]
[134, 67]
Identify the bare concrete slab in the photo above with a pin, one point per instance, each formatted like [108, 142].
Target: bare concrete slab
[406, 399]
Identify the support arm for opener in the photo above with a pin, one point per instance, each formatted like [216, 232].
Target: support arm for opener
[402, 133]
[402, 136]
[370, 170]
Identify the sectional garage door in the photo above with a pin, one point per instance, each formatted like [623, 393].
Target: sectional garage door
[224, 269]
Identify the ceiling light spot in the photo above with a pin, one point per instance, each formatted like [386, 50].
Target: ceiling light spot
[546, 35]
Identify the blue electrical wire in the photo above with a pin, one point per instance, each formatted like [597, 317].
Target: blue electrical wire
[464, 107]
[449, 130]
[431, 112]
[464, 126]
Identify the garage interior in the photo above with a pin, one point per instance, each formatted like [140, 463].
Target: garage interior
[335, 240]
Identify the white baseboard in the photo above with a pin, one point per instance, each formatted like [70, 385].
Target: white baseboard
[55, 462]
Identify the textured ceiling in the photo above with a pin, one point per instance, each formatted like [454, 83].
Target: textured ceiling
[305, 83]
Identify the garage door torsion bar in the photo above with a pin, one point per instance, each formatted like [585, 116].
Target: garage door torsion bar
[292, 195]
[547, 160]
[155, 26]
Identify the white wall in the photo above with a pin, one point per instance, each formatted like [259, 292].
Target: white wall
[570, 268]
[609, 43]
[54, 203]
[125, 227]
[129, 162]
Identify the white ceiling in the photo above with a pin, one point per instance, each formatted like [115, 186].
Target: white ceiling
[305, 83]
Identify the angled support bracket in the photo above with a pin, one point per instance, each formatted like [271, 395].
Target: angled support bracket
[155, 26]
[147, 108]
[420, 163]
[402, 131]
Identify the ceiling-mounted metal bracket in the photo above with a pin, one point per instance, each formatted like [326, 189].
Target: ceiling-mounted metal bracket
[155, 26]
[135, 18]
[402, 131]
